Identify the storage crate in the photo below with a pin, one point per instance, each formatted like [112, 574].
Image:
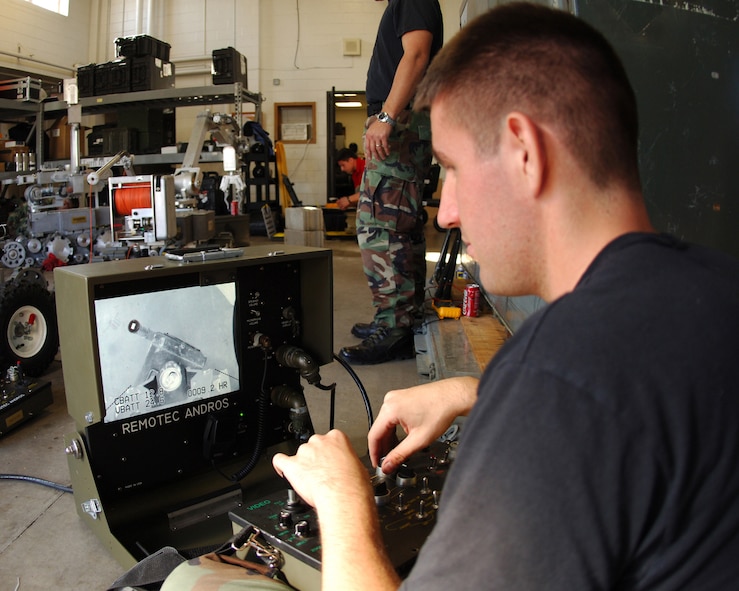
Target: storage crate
[116, 139]
[142, 46]
[86, 80]
[156, 127]
[112, 77]
[150, 73]
[229, 67]
[95, 139]
[23, 89]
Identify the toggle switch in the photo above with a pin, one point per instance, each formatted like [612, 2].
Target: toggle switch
[302, 529]
[400, 507]
[285, 519]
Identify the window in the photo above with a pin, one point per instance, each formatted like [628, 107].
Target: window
[59, 6]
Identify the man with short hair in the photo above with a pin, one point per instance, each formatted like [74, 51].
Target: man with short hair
[351, 164]
[600, 449]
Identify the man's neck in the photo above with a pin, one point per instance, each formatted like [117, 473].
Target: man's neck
[575, 238]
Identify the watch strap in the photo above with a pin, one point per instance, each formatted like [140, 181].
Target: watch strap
[385, 118]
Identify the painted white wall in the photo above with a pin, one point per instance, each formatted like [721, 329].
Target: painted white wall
[41, 42]
[298, 42]
[311, 63]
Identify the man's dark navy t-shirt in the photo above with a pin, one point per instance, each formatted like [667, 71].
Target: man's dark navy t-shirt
[603, 450]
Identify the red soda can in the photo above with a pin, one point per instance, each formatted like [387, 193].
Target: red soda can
[471, 300]
[234, 207]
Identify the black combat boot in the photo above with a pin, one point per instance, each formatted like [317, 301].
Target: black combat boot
[362, 330]
[385, 344]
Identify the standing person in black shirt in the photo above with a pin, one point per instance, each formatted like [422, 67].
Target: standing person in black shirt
[397, 145]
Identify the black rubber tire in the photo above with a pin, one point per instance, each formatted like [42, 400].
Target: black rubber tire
[17, 302]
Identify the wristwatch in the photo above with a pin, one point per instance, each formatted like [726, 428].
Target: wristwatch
[385, 118]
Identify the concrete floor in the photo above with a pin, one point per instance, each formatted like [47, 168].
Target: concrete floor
[45, 545]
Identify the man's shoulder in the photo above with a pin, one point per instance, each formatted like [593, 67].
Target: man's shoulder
[414, 9]
[662, 260]
[656, 287]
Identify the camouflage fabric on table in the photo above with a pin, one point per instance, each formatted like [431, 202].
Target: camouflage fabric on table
[388, 222]
[214, 572]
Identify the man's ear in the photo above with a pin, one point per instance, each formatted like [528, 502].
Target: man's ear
[527, 150]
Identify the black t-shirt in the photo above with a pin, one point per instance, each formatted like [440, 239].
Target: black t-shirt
[603, 451]
[399, 18]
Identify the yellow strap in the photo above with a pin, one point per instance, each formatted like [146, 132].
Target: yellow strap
[281, 162]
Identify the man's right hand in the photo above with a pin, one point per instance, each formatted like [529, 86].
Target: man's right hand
[424, 412]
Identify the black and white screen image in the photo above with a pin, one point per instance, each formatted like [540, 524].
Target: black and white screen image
[162, 349]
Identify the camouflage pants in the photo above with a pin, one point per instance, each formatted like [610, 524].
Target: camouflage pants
[389, 230]
[214, 572]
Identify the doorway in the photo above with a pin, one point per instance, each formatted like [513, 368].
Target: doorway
[347, 113]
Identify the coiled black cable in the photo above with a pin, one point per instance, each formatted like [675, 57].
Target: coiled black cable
[263, 405]
[35, 480]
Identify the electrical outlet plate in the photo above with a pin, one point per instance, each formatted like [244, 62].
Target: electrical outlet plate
[352, 46]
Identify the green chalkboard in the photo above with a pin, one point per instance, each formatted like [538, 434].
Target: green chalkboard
[683, 61]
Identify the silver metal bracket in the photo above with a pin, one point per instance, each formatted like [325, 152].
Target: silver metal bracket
[270, 555]
[92, 507]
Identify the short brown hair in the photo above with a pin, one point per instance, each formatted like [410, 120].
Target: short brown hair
[551, 66]
[345, 154]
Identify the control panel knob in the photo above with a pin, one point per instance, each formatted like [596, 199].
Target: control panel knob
[378, 471]
[405, 477]
[285, 519]
[302, 529]
[381, 492]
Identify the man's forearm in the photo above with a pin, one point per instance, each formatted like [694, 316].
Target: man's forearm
[410, 71]
[353, 554]
[328, 475]
[404, 87]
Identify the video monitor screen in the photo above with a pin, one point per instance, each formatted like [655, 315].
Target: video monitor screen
[166, 348]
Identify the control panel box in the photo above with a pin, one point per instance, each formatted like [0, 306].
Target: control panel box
[407, 503]
[168, 370]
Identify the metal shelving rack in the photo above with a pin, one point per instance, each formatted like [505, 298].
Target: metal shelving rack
[177, 97]
[165, 98]
[12, 111]
[234, 94]
[258, 190]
